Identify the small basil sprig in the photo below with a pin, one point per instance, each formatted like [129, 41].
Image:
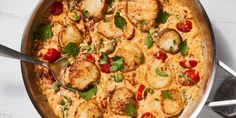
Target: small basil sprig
[56, 86]
[89, 93]
[86, 14]
[71, 49]
[163, 16]
[130, 110]
[166, 95]
[148, 40]
[44, 32]
[117, 77]
[117, 64]
[161, 73]
[183, 47]
[120, 21]
[104, 58]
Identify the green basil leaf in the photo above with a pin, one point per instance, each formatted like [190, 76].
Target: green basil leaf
[183, 48]
[63, 103]
[86, 14]
[104, 59]
[117, 64]
[161, 73]
[148, 41]
[130, 110]
[163, 16]
[119, 21]
[111, 47]
[71, 49]
[166, 94]
[89, 93]
[45, 32]
[56, 87]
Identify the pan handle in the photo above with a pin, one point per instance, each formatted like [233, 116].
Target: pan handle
[224, 102]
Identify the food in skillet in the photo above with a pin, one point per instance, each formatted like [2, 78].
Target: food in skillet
[126, 58]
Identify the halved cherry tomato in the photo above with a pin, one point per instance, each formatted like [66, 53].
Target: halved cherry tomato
[90, 58]
[52, 55]
[161, 55]
[106, 68]
[147, 115]
[140, 93]
[193, 75]
[184, 26]
[188, 63]
[56, 8]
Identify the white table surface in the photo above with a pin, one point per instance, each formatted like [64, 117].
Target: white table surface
[14, 101]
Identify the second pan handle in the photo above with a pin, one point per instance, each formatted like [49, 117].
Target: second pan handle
[223, 102]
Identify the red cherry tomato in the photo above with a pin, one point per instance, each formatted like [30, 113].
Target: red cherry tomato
[52, 55]
[188, 63]
[161, 55]
[140, 92]
[185, 26]
[193, 75]
[147, 115]
[90, 58]
[56, 8]
[106, 68]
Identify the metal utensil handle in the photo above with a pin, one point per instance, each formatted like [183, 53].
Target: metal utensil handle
[223, 102]
[10, 53]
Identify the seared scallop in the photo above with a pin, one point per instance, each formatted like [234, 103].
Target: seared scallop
[109, 30]
[168, 40]
[88, 109]
[120, 99]
[132, 54]
[70, 34]
[143, 13]
[95, 8]
[159, 75]
[171, 102]
[82, 74]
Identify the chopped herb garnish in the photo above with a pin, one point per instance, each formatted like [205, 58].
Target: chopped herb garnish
[104, 58]
[148, 41]
[182, 75]
[149, 90]
[163, 16]
[86, 14]
[119, 21]
[161, 73]
[44, 32]
[166, 95]
[89, 93]
[130, 110]
[56, 87]
[117, 64]
[65, 103]
[142, 23]
[117, 77]
[183, 48]
[71, 88]
[75, 17]
[142, 58]
[71, 49]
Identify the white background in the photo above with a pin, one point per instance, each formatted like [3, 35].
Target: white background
[14, 101]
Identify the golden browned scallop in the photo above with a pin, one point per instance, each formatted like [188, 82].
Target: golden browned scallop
[171, 102]
[82, 74]
[70, 34]
[109, 30]
[159, 75]
[119, 100]
[168, 40]
[95, 8]
[88, 109]
[132, 54]
[143, 13]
